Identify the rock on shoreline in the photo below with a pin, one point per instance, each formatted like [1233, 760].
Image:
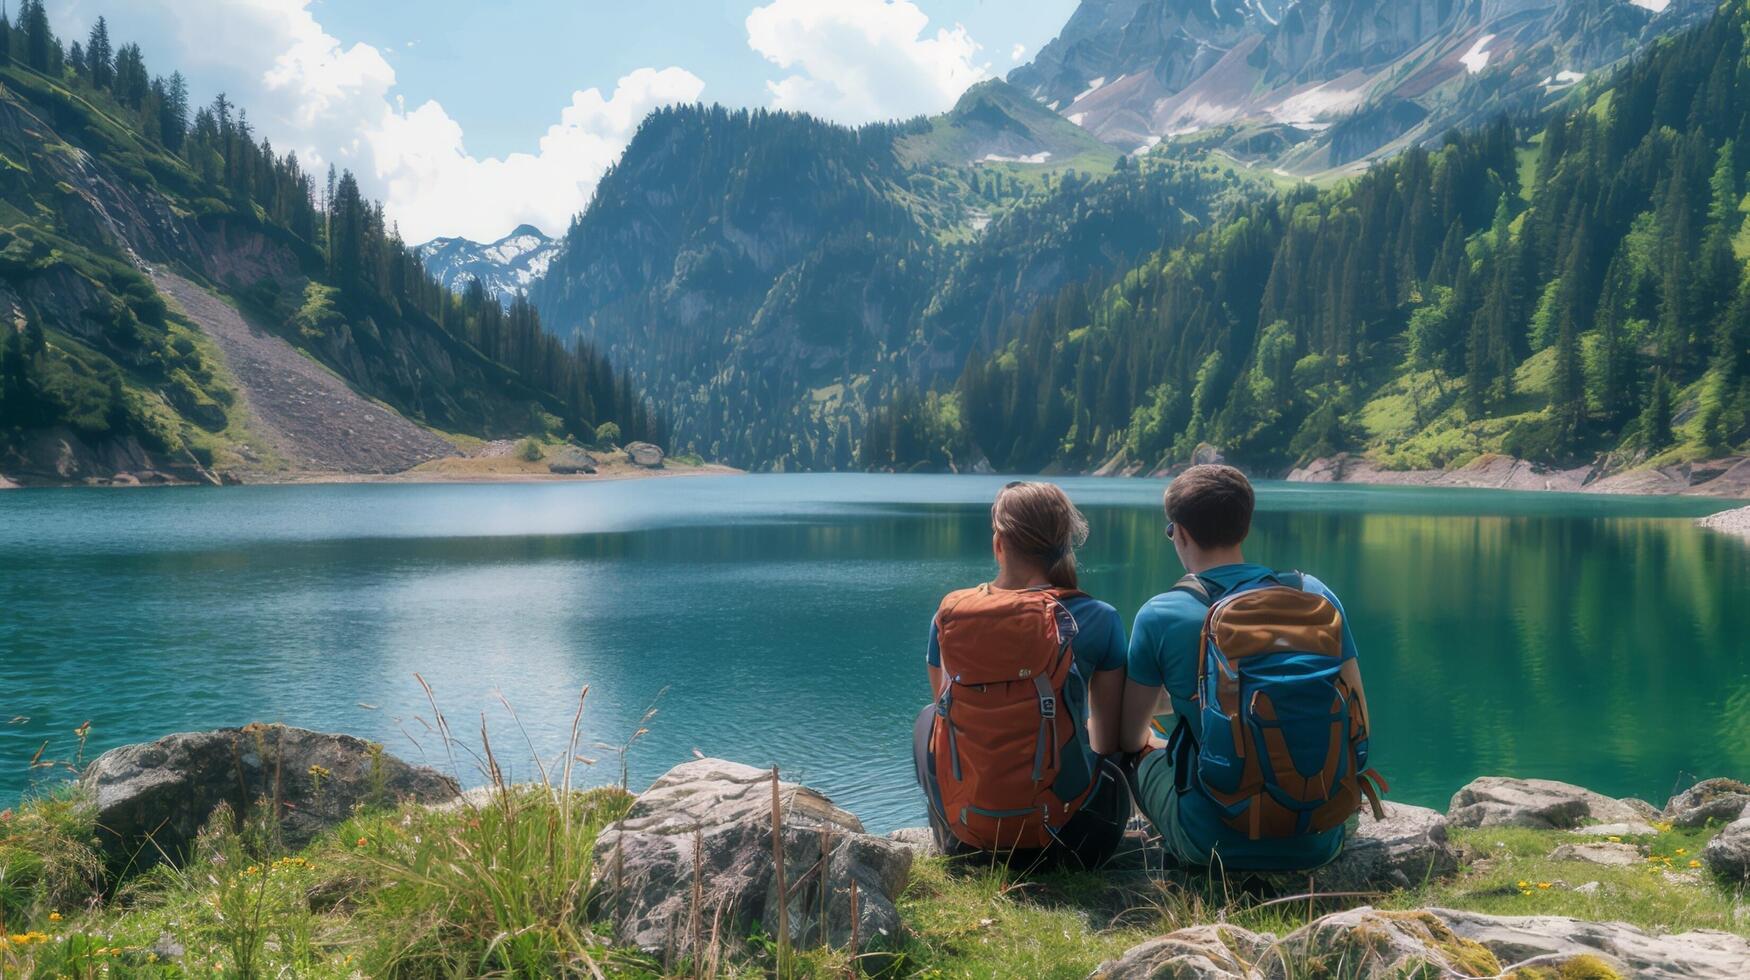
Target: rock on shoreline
[153, 798]
[1728, 477]
[1734, 522]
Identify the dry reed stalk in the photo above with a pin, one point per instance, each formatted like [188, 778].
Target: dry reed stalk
[695, 925]
[856, 952]
[778, 870]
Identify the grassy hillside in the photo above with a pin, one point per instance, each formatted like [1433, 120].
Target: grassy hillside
[107, 182]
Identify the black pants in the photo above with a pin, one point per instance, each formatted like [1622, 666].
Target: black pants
[1089, 839]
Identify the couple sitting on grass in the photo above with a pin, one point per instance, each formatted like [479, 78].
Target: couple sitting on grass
[1044, 725]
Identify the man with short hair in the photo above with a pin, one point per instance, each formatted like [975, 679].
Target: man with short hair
[1224, 803]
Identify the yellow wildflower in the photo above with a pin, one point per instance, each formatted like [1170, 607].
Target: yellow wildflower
[1544, 885]
[1681, 851]
[54, 916]
[1614, 839]
[1524, 891]
[1524, 884]
[1694, 863]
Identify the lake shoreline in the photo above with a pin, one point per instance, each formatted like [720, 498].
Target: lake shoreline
[1726, 479]
[471, 468]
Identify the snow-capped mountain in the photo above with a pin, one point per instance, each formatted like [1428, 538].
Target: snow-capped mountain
[505, 267]
[1315, 84]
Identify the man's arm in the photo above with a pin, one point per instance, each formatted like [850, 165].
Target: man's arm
[1142, 689]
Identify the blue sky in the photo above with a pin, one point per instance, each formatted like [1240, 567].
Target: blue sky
[470, 118]
[501, 67]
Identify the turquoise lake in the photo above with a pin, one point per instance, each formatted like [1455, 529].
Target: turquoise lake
[782, 619]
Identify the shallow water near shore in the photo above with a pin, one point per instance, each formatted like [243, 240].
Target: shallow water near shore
[1603, 641]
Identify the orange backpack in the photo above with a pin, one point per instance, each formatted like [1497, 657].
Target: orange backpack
[1007, 746]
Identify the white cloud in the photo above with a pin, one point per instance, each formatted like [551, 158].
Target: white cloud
[335, 103]
[859, 61]
[433, 187]
[1019, 50]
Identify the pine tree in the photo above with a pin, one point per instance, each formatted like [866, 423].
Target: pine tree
[1567, 388]
[5, 40]
[173, 112]
[131, 80]
[34, 20]
[1656, 417]
[99, 58]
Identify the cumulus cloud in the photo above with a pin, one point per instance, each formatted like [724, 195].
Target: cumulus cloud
[1016, 53]
[433, 187]
[859, 61]
[336, 103]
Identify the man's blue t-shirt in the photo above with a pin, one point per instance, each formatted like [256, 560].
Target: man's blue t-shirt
[1164, 647]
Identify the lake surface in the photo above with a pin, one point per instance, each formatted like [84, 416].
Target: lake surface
[1604, 641]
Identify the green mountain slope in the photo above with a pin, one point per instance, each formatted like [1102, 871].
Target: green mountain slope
[112, 189]
[1572, 295]
[769, 277]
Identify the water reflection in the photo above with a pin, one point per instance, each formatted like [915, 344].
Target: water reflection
[1592, 640]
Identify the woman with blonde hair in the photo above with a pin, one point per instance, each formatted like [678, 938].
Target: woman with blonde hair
[1027, 673]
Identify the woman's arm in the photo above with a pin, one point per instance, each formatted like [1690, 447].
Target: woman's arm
[1105, 709]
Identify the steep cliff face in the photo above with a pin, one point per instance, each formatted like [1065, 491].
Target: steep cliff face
[1137, 71]
[736, 261]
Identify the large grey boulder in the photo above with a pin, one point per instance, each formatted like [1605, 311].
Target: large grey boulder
[1719, 800]
[1728, 854]
[1404, 850]
[644, 454]
[1544, 804]
[1208, 952]
[1366, 943]
[152, 798]
[1700, 954]
[705, 828]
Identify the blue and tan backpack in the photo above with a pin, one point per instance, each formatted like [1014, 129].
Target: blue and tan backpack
[1285, 722]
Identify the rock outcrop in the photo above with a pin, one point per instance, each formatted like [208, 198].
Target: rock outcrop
[644, 454]
[1373, 943]
[152, 798]
[1209, 952]
[1711, 800]
[1543, 804]
[705, 829]
[1728, 854]
[1404, 850]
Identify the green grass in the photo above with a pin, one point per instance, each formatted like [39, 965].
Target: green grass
[502, 888]
[1511, 873]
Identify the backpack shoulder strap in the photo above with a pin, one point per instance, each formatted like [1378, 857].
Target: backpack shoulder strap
[1295, 580]
[1193, 586]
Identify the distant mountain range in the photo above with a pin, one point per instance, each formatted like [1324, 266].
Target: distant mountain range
[1314, 85]
[503, 268]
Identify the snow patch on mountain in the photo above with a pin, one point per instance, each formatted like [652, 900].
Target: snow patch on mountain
[1656, 6]
[504, 268]
[1477, 58]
